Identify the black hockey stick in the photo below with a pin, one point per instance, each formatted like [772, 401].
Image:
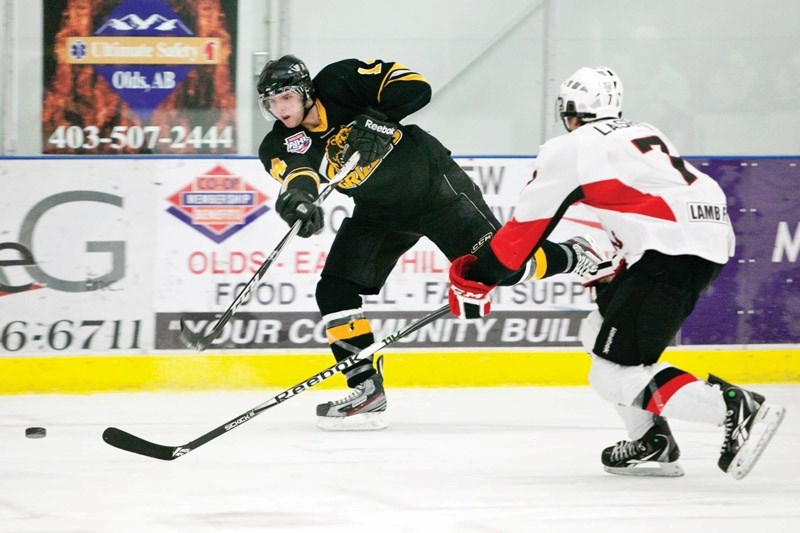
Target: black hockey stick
[200, 341]
[131, 443]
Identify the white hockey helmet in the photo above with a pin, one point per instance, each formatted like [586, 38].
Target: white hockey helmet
[591, 93]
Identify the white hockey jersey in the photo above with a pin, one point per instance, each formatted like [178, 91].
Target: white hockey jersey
[632, 177]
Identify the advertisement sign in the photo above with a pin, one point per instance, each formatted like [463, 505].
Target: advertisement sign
[139, 77]
[75, 260]
[501, 330]
[204, 264]
[107, 255]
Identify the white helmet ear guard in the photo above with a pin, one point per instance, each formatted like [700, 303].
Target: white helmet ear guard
[591, 93]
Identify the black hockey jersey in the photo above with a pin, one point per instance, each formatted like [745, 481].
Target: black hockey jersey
[343, 90]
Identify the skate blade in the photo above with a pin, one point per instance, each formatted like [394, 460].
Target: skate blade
[361, 422]
[768, 419]
[647, 469]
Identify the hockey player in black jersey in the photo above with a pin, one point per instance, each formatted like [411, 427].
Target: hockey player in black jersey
[404, 187]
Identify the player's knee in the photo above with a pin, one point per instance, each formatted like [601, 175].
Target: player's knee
[336, 294]
[604, 379]
[621, 384]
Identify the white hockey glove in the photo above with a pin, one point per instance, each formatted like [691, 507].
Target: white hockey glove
[585, 255]
[605, 272]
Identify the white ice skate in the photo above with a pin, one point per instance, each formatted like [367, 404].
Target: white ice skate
[364, 409]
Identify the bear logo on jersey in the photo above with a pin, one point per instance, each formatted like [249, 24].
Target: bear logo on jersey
[335, 146]
[333, 162]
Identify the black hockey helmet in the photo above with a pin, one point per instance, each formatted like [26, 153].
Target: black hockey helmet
[283, 74]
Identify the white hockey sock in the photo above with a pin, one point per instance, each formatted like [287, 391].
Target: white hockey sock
[637, 420]
[696, 402]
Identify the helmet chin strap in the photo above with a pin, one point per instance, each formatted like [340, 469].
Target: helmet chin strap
[309, 108]
[566, 120]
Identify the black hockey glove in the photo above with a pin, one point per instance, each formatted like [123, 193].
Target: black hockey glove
[370, 135]
[298, 204]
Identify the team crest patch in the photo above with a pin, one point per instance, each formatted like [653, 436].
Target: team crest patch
[299, 143]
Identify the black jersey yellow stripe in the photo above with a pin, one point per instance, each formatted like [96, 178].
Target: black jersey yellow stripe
[323, 118]
[397, 73]
[302, 171]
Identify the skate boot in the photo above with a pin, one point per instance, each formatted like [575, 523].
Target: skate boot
[361, 410]
[750, 423]
[655, 454]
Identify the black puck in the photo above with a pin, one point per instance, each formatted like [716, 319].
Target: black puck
[35, 433]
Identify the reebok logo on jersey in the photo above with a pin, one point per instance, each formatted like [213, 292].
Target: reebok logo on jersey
[702, 212]
[379, 128]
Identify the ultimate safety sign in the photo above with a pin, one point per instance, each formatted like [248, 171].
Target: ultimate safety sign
[139, 77]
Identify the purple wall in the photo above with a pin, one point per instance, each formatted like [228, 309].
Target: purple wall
[756, 299]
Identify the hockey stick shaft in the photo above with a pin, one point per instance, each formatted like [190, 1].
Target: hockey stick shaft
[199, 341]
[131, 443]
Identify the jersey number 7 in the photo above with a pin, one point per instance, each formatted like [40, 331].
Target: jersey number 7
[645, 144]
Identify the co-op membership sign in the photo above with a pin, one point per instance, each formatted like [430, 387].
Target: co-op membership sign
[139, 77]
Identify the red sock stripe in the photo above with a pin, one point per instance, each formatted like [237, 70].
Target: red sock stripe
[664, 392]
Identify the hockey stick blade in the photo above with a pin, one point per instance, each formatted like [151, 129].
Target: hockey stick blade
[196, 340]
[199, 341]
[131, 443]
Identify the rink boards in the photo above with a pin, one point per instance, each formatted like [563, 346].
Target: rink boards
[100, 258]
[82, 374]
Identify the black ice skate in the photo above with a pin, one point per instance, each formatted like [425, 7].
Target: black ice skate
[361, 410]
[655, 454]
[750, 423]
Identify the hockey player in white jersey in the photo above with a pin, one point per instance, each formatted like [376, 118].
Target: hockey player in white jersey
[669, 225]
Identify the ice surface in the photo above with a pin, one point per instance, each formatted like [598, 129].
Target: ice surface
[453, 460]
